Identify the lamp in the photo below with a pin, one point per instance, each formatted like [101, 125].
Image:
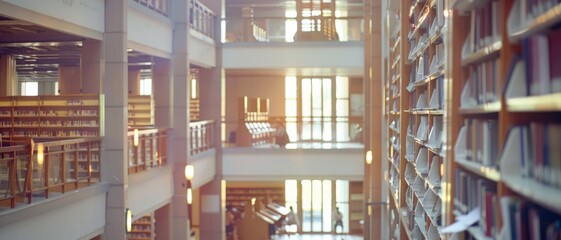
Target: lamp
[189, 172]
[40, 153]
[128, 219]
[135, 138]
[189, 195]
[368, 157]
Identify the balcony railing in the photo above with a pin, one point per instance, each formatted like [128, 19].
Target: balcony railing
[201, 136]
[340, 132]
[27, 176]
[150, 150]
[281, 29]
[201, 18]
[160, 6]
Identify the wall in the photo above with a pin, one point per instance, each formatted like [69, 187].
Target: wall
[142, 20]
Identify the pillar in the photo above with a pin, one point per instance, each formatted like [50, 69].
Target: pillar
[8, 76]
[162, 226]
[114, 164]
[92, 66]
[374, 175]
[134, 82]
[161, 92]
[69, 79]
[211, 82]
[179, 133]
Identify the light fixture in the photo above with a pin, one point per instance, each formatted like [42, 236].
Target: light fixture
[128, 219]
[253, 201]
[189, 196]
[369, 157]
[189, 172]
[135, 137]
[40, 154]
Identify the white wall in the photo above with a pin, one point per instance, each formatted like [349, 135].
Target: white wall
[205, 168]
[293, 55]
[201, 50]
[74, 215]
[150, 190]
[148, 32]
[80, 17]
[253, 164]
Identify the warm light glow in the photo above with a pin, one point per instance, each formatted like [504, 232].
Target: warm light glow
[128, 219]
[369, 210]
[40, 153]
[189, 196]
[135, 138]
[447, 12]
[189, 172]
[441, 169]
[369, 157]
[253, 201]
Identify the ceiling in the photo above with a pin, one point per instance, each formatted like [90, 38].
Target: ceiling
[40, 51]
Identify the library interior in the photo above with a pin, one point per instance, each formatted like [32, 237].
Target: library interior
[280, 119]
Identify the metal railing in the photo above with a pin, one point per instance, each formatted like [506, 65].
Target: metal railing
[283, 29]
[160, 6]
[201, 18]
[28, 173]
[150, 150]
[201, 136]
[306, 130]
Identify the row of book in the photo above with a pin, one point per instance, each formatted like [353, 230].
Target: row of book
[478, 142]
[527, 221]
[542, 55]
[471, 193]
[482, 84]
[533, 8]
[485, 25]
[540, 152]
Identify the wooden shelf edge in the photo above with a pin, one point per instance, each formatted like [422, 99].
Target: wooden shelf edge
[487, 172]
[543, 21]
[542, 103]
[487, 108]
[482, 54]
[542, 194]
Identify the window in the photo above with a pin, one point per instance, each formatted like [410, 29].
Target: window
[29, 88]
[146, 86]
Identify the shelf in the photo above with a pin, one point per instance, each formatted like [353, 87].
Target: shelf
[429, 78]
[540, 23]
[477, 233]
[405, 222]
[543, 103]
[483, 54]
[487, 172]
[487, 108]
[396, 61]
[396, 44]
[538, 192]
[467, 5]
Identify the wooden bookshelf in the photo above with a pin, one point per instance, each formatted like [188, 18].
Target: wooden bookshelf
[195, 109]
[140, 110]
[414, 112]
[142, 228]
[238, 194]
[52, 116]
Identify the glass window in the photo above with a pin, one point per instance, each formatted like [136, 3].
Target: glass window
[29, 88]
[327, 203]
[146, 86]
[342, 87]
[306, 205]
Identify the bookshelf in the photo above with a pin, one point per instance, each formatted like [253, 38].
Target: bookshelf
[195, 109]
[140, 110]
[504, 125]
[237, 195]
[415, 116]
[52, 116]
[142, 228]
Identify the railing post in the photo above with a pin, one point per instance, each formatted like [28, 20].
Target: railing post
[46, 166]
[76, 170]
[63, 168]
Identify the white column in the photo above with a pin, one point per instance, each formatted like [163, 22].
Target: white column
[114, 163]
[179, 133]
